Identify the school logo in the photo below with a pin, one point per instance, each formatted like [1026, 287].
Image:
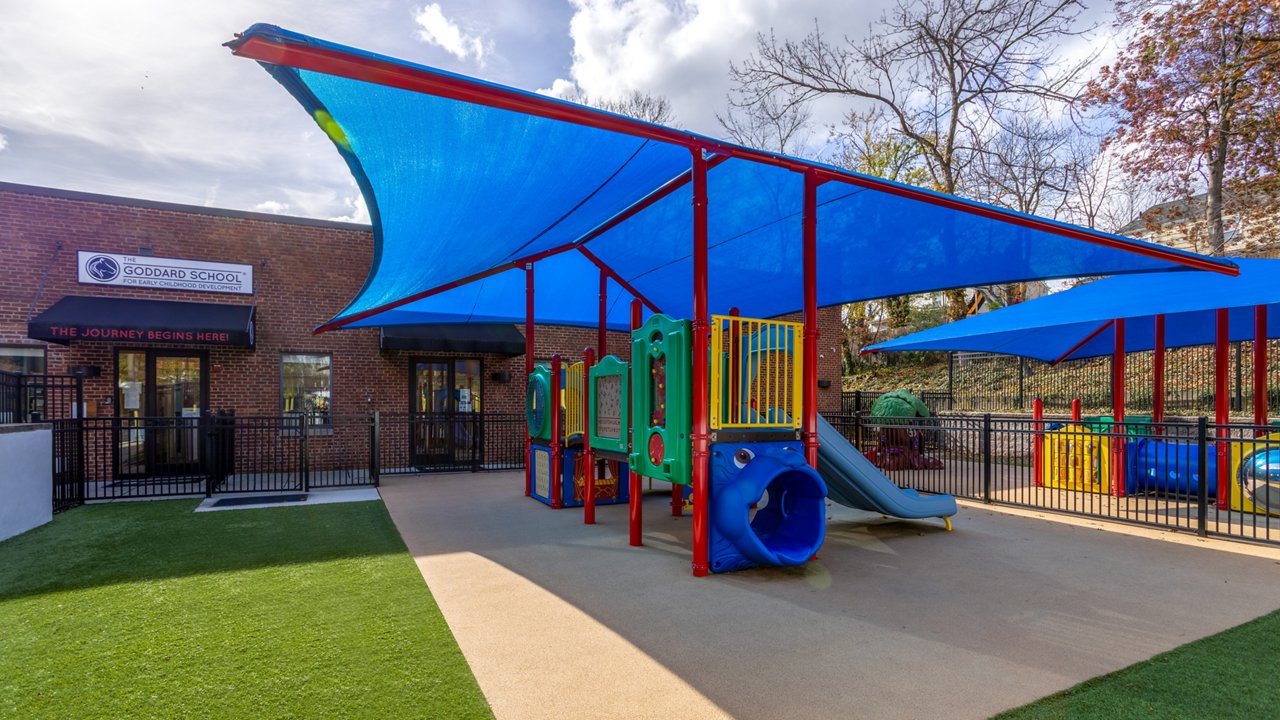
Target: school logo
[102, 268]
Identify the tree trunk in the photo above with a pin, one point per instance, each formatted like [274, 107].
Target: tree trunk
[1213, 198]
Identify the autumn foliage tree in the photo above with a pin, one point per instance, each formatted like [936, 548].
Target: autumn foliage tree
[1196, 97]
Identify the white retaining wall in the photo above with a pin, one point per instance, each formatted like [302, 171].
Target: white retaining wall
[26, 478]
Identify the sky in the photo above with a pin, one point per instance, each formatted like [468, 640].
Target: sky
[138, 98]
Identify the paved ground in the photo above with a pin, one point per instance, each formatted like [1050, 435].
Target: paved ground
[894, 620]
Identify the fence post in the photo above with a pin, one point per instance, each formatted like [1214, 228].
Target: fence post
[1202, 484]
[210, 450]
[304, 431]
[857, 432]
[857, 401]
[1237, 397]
[1037, 439]
[986, 457]
[1022, 381]
[951, 380]
[374, 454]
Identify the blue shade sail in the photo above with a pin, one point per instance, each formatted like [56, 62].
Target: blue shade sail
[462, 178]
[1048, 328]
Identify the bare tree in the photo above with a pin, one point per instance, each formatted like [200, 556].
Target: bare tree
[767, 125]
[639, 105]
[1025, 167]
[943, 70]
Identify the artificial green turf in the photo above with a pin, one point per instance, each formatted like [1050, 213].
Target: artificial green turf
[147, 610]
[1228, 675]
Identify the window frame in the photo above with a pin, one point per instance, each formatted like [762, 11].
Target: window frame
[44, 352]
[325, 424]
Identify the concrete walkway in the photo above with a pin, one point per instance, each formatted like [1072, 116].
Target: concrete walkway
[894, 620]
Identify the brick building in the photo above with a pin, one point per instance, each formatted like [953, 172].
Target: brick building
[64, 309]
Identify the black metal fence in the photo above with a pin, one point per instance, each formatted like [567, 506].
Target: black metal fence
[118, 457]
[40, 398]
[1191, 476]
[985, 382]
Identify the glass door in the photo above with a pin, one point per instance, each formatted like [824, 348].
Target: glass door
[160, 396]
[444, 402]
[131, 391]
[466, 409]
[178, 404]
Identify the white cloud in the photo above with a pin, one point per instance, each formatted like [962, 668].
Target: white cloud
[4, 142]
[560, 88]
[275, 207]
[681, 49]
[359, 211]
[440, 31]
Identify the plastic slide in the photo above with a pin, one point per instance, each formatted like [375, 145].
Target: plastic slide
[852, 480]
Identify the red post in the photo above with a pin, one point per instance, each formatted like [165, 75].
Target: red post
[1037, 448]
[701, 420]
[557, 429]
[1157, 372]
[528, 371]
[810, 261]
[588, 455]
[1221, 414]
[635, 504]
[1075, 410]
[1260, 398]
[677, 500]
[1117, 411]
[602, 340]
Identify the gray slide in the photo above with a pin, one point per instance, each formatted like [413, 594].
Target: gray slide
[854, 481]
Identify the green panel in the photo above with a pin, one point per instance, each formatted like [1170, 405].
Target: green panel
[661, 399]
[609, 383]
[537, 403]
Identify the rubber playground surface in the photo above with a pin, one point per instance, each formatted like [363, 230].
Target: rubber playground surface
[893, 620]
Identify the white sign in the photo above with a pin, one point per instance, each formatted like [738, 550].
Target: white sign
[97, 268]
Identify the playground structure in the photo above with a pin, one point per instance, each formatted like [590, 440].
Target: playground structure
[505, 182]
[766, 504]
[1079, 456]
[564, 473]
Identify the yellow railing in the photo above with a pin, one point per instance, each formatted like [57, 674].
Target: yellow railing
[755, 373]
[574, 387]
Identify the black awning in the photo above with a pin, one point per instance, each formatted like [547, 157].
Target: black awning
[76, 317]
[498, 338]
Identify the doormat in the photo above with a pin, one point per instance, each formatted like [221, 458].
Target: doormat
[259, 500]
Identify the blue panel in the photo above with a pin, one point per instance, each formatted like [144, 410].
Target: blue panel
[1047, 328]
[457, 188]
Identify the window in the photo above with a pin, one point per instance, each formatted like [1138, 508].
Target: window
[305, 386]
[25, 360]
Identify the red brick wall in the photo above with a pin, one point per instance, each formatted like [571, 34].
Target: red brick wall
[304, 274]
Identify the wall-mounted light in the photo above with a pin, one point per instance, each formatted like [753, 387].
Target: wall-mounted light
[86, 370]
[824, 384]
[501, 376]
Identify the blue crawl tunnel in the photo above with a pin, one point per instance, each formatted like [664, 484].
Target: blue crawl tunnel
[790, 525]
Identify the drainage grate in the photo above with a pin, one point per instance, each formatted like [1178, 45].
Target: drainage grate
[259, 500]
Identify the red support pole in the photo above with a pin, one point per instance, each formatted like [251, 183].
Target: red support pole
[810, 261]
[635, 504]
[1075, 410]
[588, 455]
[1117, 411]
[1260, 398]
[1037, 449]
[557, 429]
[701, 401]
[528, 371]
[602, 340]
[1157, 372]
[1221, 414]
